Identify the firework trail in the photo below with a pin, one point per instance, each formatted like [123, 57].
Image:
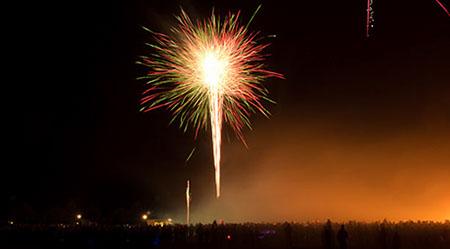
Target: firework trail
[443, 7]
[369, 17]
[190, 155]
[188, 202]
[208, 70]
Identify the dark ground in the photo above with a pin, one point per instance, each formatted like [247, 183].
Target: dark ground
[423, 235]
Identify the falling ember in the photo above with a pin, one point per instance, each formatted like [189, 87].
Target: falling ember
[188, 202]
[208, 70]
[369, 17]
[443, 7]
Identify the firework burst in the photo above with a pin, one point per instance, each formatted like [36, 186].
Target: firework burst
[209, 70]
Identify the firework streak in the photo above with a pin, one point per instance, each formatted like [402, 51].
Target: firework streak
[207, 70]
[188, 202]
[369, 17]
[443, 7]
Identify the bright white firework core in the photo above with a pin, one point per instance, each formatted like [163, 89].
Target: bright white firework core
[214, 71]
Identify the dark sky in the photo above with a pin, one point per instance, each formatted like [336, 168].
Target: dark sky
[361, 128]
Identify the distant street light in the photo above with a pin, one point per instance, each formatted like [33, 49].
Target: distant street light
[79, 216]
[144, 217]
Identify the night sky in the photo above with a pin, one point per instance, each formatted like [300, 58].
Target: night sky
[361, 128]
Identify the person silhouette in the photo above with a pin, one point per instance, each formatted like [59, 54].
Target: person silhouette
[288, 233]
[200, 234]
[328, 236]
[342, 237]
[396, 242]
[214, 234]
[382, 236]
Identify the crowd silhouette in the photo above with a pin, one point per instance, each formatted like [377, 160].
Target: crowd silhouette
[357, 235]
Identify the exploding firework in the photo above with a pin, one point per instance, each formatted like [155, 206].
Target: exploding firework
[207, 70]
